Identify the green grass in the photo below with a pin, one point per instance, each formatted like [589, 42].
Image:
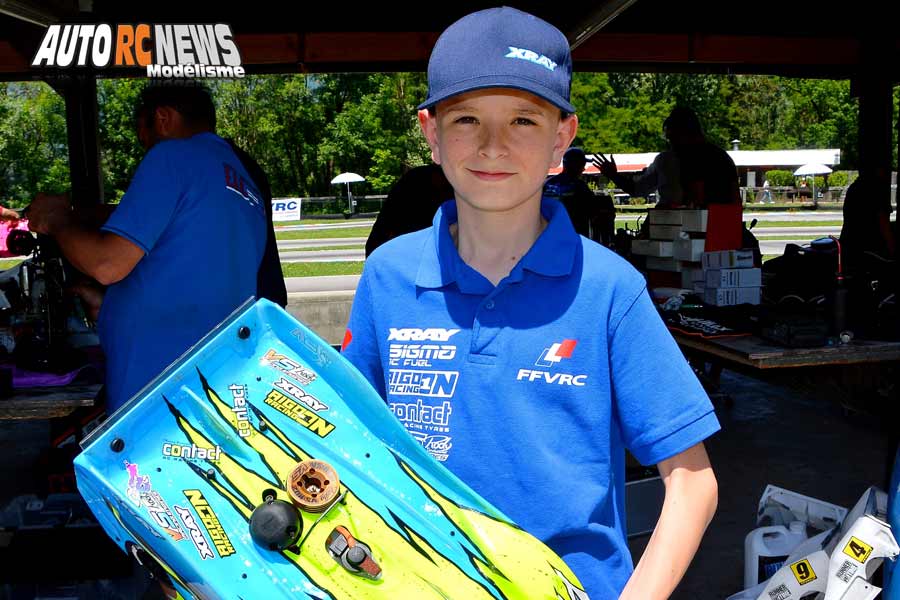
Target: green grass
[323, 234]
[313, 222]
[323, 248]
[763, 223]
[318, 269]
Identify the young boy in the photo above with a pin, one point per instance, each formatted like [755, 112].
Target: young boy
[522, 356]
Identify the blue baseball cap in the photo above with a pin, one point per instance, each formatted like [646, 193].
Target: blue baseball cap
[501, 47]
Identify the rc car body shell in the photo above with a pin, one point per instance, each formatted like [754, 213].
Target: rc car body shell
[177, 472]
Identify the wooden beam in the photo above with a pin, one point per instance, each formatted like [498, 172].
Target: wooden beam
[387, 47]
[718, 49]
[335, 47]
[11, 60]
[597, 19]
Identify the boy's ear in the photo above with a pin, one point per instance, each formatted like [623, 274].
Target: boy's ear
[565, 133]
[428, 123]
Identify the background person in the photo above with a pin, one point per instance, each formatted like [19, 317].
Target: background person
[180, 252]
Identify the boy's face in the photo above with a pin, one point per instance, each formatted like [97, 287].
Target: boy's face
[496, 145]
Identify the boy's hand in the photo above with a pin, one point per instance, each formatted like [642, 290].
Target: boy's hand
[607, 166]
[48, 214]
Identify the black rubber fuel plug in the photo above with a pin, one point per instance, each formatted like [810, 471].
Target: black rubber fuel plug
[275, 524]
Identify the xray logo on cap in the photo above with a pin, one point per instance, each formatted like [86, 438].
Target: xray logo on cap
[501, 48]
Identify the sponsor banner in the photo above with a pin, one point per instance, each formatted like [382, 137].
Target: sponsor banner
[286, 209]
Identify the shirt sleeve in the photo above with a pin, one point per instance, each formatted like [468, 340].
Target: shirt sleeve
[360, 345]
[151, 201]
[660, 406]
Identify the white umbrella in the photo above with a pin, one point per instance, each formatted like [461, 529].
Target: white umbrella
[348, 178]
[813, 169]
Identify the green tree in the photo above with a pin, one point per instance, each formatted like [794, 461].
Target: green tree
[120, 149]
[33, 146]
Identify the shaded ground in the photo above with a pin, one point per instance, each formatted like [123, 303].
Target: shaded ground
[776, 435]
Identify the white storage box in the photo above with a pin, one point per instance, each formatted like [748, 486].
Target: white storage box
[662, 216]
[694, 220]
[733, 278]
[662, 264]
[688, 250]
[660, 248]
[665, 232]
[728, 259]
[731, 296]
[691, 274]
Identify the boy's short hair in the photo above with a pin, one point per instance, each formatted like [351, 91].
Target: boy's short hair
[191, 99]
[501, 48]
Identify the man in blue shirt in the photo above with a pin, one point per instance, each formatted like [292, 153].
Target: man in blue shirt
[181, 251]
[524, 357]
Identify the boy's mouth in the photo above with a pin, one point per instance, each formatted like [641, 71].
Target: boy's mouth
[491, 175]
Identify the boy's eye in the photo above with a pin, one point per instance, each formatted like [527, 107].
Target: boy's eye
[524, 121]
[466, 120]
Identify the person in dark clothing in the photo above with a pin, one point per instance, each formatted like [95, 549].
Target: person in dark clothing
[592, 216]
[410, 205]
[572, 191]
[867, 218]
[705, 173]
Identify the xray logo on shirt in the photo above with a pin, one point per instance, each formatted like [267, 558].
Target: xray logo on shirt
[551, 357]
[420, 355]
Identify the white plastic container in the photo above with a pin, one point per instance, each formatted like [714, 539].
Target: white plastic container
[766, 549]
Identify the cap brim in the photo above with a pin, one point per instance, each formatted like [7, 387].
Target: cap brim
[487, 82]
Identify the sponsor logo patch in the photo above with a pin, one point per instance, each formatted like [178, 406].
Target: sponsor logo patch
[299, 414]
[210, 522]
[435, 384]
[289, 367]
[196, 535]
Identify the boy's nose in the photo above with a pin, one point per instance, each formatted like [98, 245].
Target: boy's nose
[493, 142]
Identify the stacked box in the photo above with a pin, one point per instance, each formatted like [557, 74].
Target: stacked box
[733, 278]
[728, 259]
[659, 248]
[731, 296]
[688, 249]
[729, 278]
[671, 249]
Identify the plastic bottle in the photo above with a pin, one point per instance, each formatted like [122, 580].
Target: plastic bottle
[892, 569]
[766, 549]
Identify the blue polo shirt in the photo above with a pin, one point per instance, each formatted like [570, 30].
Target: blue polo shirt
[198, 217]
[531, 391]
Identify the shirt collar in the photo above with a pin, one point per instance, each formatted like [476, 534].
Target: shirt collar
[552, 254]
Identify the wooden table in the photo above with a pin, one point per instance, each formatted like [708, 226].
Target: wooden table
[47, 402]
[755, 352]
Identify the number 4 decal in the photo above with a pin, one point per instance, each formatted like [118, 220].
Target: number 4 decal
[803, 572]
[858, 550]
